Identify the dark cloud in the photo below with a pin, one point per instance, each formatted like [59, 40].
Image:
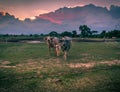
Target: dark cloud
[27, 8]
[115, 11]
[96, 17]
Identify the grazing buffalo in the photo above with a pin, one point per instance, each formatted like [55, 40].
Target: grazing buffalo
[66, 45]
[53, 43]
[57, 44]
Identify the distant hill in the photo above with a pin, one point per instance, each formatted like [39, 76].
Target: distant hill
[63, 19]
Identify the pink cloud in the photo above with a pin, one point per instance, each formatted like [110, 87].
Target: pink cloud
[56, 17]
[51, 19]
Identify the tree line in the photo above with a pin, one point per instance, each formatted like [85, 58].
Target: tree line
[84, 32]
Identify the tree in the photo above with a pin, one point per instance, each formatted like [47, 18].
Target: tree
[94, 33]
[74, 33]
[114, 33]
[66, 33]
[85, 31]
[103, 34]
[53, 33]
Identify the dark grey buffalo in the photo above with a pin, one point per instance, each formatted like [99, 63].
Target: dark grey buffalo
[66, 45]
[57, 44]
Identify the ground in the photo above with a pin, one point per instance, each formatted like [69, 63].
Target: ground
[90, 67]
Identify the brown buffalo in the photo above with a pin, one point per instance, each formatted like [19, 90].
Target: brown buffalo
[57, 44]
[53, 43]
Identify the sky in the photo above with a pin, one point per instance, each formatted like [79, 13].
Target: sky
[30, 8]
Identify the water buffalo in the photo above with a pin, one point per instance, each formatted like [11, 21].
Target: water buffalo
[53, 43]
[57, 44]
[66, 45]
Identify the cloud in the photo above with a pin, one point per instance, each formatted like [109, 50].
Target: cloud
[63, 19]
[114, 11]
[28, 8]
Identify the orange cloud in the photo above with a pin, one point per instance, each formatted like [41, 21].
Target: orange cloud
[2, 13]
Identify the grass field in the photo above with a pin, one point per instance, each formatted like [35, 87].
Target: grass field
[90, 67]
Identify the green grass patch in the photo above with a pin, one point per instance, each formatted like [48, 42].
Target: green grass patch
[36, 71]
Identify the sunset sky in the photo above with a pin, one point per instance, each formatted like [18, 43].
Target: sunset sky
[30, 8]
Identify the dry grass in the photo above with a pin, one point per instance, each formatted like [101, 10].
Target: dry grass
[92, 64]
[29, 68]
[44, 65]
